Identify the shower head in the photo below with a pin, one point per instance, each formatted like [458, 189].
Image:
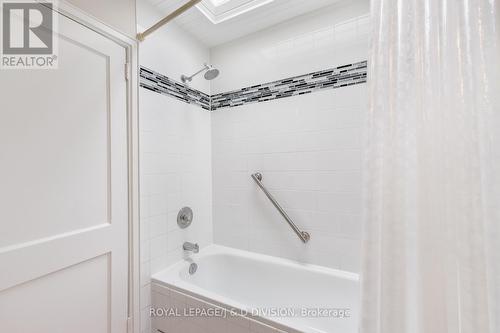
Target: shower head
[210, 74]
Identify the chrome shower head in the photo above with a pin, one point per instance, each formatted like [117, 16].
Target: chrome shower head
[210, 74]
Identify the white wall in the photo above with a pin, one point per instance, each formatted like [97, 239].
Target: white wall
[333, 36]
[119, 14]
[175, 155]
[307, 147]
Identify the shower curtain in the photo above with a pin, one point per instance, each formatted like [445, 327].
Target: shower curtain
[432, 169]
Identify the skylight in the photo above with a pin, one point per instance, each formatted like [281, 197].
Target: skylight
[218, 11]
[217, 3]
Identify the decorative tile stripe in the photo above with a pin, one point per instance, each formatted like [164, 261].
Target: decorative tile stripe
[162, 84]
[326, 79]
[341, 76]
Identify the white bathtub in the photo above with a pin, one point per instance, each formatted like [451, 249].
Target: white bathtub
[263, 285]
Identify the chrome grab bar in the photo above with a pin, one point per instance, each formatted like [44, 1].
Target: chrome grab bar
[303, 235]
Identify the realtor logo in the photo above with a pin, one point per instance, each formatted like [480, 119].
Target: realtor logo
[28, 40]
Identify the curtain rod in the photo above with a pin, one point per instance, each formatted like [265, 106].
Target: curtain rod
[142, 35]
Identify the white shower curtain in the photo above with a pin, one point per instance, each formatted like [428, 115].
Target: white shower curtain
[432, 180]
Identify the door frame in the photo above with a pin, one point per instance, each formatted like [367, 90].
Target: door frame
[130, 46]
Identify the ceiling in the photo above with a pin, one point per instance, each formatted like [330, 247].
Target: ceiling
[210, 34]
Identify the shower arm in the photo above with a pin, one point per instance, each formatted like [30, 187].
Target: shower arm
[189, 78]
[142, 35]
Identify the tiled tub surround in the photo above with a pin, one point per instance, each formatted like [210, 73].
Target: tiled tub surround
[311, 163]
[308, 149]
[254, 285]
[342, 76]
[306, 145]
[175, 150]
[175, 158]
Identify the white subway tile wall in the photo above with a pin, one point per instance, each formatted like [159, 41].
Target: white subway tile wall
[175, 156]
[175, 159]
[308, 149]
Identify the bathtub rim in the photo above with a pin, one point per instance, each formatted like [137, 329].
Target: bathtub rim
[169, 278]
[214, 249]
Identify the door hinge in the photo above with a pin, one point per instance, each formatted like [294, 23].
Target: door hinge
[130, 325]
[127, 71]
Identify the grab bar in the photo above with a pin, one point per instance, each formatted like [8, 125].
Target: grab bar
[303, 235]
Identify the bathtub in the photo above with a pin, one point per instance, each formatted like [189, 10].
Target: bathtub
[280, 293]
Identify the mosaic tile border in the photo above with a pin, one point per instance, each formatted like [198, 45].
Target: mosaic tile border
[164, 85]
[337, 77]
[341, 76]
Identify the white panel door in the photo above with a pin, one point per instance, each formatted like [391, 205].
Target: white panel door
[63, 190]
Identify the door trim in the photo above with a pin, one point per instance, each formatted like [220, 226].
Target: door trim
[131, 48]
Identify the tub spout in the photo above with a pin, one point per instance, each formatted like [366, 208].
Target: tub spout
[187, 246]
